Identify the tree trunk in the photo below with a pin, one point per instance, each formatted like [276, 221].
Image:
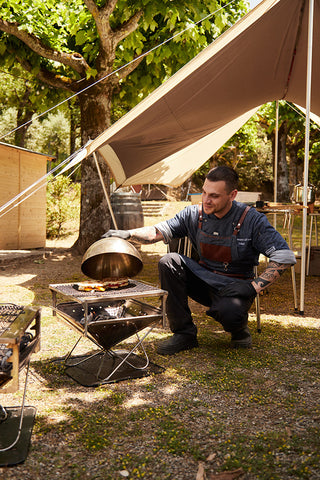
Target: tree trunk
[23, 117]
[74, 131]
[95, 215]
[73, 126]
[283, 175]
[296, 167]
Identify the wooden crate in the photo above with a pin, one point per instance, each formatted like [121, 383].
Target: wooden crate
[24, 226]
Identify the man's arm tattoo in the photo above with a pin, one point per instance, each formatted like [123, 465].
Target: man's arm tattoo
[273, 271]
[145, 235]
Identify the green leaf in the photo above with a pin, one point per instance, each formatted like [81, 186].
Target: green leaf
[91, 72]
[81, 37]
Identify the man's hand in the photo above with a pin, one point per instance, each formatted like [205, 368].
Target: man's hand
[238, 289]
[125, 234]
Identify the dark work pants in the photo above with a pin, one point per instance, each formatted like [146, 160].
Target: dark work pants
[181, 283]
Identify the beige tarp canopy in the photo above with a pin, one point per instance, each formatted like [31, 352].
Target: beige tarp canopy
[178, 167]
[262, 58]
[272, 53]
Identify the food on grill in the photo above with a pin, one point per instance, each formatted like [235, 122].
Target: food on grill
[102, 287]
[88, 287]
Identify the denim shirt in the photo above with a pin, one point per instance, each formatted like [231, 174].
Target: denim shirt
[256, 236]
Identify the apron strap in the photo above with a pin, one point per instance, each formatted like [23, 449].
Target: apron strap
[237, 227]
[200, 216]
[243, 216]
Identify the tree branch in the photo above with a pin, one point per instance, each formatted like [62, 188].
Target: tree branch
[104, 11]
[124, 72]
[127, 27]
[92, 7]
[74, 60]
[110, 38]
[101, 17]
[110, 6]
[56, 81]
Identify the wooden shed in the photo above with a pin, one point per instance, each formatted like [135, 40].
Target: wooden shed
[24, 226]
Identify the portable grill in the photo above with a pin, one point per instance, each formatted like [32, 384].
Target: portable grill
[107, 318]
[19, 338]
[16, 343]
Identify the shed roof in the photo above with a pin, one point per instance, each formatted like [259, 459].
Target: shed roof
[8, 145]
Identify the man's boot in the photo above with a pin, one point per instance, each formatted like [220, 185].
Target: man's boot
[177, 343]
[241, 338]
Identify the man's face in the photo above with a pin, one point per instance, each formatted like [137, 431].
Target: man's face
[216, 199]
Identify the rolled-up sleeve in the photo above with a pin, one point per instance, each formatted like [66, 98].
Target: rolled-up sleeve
[164, 228]
[183, 224]
[283, 256]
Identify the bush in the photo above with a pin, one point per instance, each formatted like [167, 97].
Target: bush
[62, 195]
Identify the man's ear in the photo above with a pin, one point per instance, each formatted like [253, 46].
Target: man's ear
[233, 194]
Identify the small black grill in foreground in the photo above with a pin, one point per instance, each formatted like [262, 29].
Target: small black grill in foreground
[19, 338]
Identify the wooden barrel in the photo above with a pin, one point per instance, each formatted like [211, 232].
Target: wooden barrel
[127, 209]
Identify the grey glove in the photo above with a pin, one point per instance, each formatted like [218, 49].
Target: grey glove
[125, 234]
[238, 289]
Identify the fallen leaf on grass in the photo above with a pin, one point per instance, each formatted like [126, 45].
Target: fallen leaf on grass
[201, 474]
[124, 473]
[211, 457]
[232, 475]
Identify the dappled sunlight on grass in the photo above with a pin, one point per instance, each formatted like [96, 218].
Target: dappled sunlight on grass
[255, 409]
[289, 320]
[137, 400]
[9, 279]
[18, 295]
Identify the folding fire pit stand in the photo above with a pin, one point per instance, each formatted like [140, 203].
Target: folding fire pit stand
[129, 315]
[16, 347]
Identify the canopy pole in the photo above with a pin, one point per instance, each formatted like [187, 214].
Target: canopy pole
[275, 173]
[105, 191]
[306, 157]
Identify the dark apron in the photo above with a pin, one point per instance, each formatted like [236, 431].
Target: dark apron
[216, 248]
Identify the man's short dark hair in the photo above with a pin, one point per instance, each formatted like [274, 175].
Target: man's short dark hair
[226, 174]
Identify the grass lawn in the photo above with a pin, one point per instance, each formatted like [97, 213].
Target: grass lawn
[252, 413]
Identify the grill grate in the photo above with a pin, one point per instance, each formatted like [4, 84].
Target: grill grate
[8, 313]
[134, 288]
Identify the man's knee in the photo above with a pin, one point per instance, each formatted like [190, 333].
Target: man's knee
[232, 313]
[169, 261]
